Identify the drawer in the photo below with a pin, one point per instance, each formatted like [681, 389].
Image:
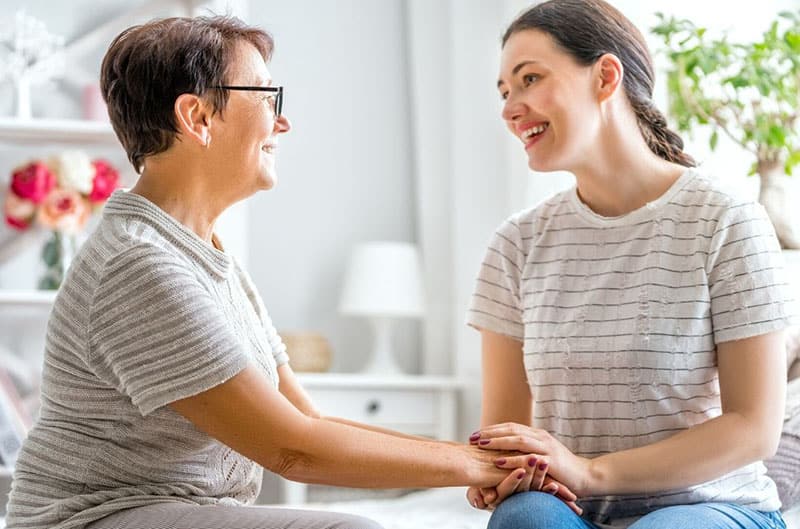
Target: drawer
[388, 407]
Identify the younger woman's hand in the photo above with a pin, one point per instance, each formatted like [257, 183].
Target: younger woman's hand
[522, 480]
[563, 465]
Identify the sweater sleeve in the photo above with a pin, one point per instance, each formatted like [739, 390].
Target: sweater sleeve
[495, 304]
[155, 332]
[749, 292]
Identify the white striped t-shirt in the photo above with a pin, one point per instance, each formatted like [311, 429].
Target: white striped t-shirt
[620, 317]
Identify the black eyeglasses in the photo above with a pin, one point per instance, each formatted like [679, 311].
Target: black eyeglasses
[276, 101]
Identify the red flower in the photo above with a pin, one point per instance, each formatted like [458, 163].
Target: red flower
[65, 211]
[19, 212]
[33, 182]
[105, 181]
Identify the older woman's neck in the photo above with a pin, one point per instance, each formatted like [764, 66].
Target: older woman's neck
[184, 192]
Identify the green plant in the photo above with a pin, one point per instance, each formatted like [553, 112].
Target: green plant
[748, 91]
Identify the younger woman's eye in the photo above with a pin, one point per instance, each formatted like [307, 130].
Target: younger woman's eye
[503, 95]
[529, 78]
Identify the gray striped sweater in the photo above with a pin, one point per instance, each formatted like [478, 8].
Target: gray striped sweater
[148, 314]
[620, 317]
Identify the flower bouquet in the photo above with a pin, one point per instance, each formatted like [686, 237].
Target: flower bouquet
[59, 195]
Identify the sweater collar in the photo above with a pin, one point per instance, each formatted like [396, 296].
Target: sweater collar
[124, 202]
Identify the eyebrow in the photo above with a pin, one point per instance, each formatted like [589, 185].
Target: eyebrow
[517, 68]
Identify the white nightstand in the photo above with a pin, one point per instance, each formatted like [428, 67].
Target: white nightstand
[418, 405]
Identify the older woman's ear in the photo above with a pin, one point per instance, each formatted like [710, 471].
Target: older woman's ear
[193, 117]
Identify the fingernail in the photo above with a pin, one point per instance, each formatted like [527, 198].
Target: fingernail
[475, 503]
[542, 466]
[500, 462]
[484, 442]
[521, 475]
[532, 462]
[475, 436]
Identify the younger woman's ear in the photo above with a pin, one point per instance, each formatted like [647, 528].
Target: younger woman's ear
[609, 73]
[193, 116]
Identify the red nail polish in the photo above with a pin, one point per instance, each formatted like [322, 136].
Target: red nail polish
[532, 462]
[521, 475]
[484, 442]
[500, 462]
[542, 466]
[475, 436]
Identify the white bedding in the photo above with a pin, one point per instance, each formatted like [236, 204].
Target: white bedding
[438, 509]
[445, 508]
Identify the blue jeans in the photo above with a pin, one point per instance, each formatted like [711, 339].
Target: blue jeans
[537, 510]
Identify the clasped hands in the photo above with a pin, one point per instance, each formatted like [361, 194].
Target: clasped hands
[537, 462]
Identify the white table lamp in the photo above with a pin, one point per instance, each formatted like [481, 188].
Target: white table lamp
[383, 282]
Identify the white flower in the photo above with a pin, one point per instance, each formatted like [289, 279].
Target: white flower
[73, 170]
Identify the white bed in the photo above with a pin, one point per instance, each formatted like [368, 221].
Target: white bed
[438, 509]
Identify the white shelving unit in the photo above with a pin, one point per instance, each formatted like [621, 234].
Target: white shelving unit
[56, 130]
[27, 298]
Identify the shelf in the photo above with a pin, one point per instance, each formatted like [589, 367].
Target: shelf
[56, 130]
[27, 298]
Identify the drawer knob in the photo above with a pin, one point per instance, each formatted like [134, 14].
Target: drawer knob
[373, 407]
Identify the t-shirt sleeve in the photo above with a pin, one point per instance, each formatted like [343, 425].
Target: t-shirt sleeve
[749, 291]
[156, 333]
[495, 304]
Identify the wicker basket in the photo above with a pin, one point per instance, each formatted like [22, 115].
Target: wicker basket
[308, 351]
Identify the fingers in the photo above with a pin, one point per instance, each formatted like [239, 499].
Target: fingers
[561, 490]
[512, 443]
[574, 506]
[530, 462]
[476, 498]
[508, 486]
[539, 473]
[489, 495]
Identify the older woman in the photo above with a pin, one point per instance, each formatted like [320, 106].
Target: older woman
[166, 387]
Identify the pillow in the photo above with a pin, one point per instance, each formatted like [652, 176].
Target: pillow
[784, 466]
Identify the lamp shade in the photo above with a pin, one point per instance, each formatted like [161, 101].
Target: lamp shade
[383, 279]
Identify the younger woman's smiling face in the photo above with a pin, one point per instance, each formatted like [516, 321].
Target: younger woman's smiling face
[551, 103]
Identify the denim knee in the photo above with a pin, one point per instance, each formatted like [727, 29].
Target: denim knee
[534, 510]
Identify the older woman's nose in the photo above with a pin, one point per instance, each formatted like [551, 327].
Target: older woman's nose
[282, 124]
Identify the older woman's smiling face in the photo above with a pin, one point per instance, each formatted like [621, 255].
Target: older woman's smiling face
[549, 101]
[247, 134]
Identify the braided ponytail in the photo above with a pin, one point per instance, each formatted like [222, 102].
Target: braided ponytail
[661, 140]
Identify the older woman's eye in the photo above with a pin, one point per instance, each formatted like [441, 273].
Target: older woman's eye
[503, 95]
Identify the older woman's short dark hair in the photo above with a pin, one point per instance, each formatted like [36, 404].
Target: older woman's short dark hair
[147, 67]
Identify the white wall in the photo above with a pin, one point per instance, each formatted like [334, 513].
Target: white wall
[344, 169]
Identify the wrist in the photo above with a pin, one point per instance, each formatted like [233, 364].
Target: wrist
[595, 478]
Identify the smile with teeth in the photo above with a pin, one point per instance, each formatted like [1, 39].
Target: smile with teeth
[527, 134]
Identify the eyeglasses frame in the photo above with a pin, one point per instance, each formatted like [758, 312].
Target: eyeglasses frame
[273, 89]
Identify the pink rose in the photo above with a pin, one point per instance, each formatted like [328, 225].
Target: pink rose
[106, 179]
[64, 210]
[33, 181]
[19, 212]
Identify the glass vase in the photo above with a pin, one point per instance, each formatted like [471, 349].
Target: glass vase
[57, 255]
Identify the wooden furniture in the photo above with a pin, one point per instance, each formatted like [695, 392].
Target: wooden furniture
[418, 405]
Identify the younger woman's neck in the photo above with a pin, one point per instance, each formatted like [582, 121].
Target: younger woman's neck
[624, 175]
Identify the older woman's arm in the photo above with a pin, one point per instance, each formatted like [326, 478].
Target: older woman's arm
[248, 414]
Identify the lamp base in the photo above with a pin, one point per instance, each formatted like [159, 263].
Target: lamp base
[381, 361]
